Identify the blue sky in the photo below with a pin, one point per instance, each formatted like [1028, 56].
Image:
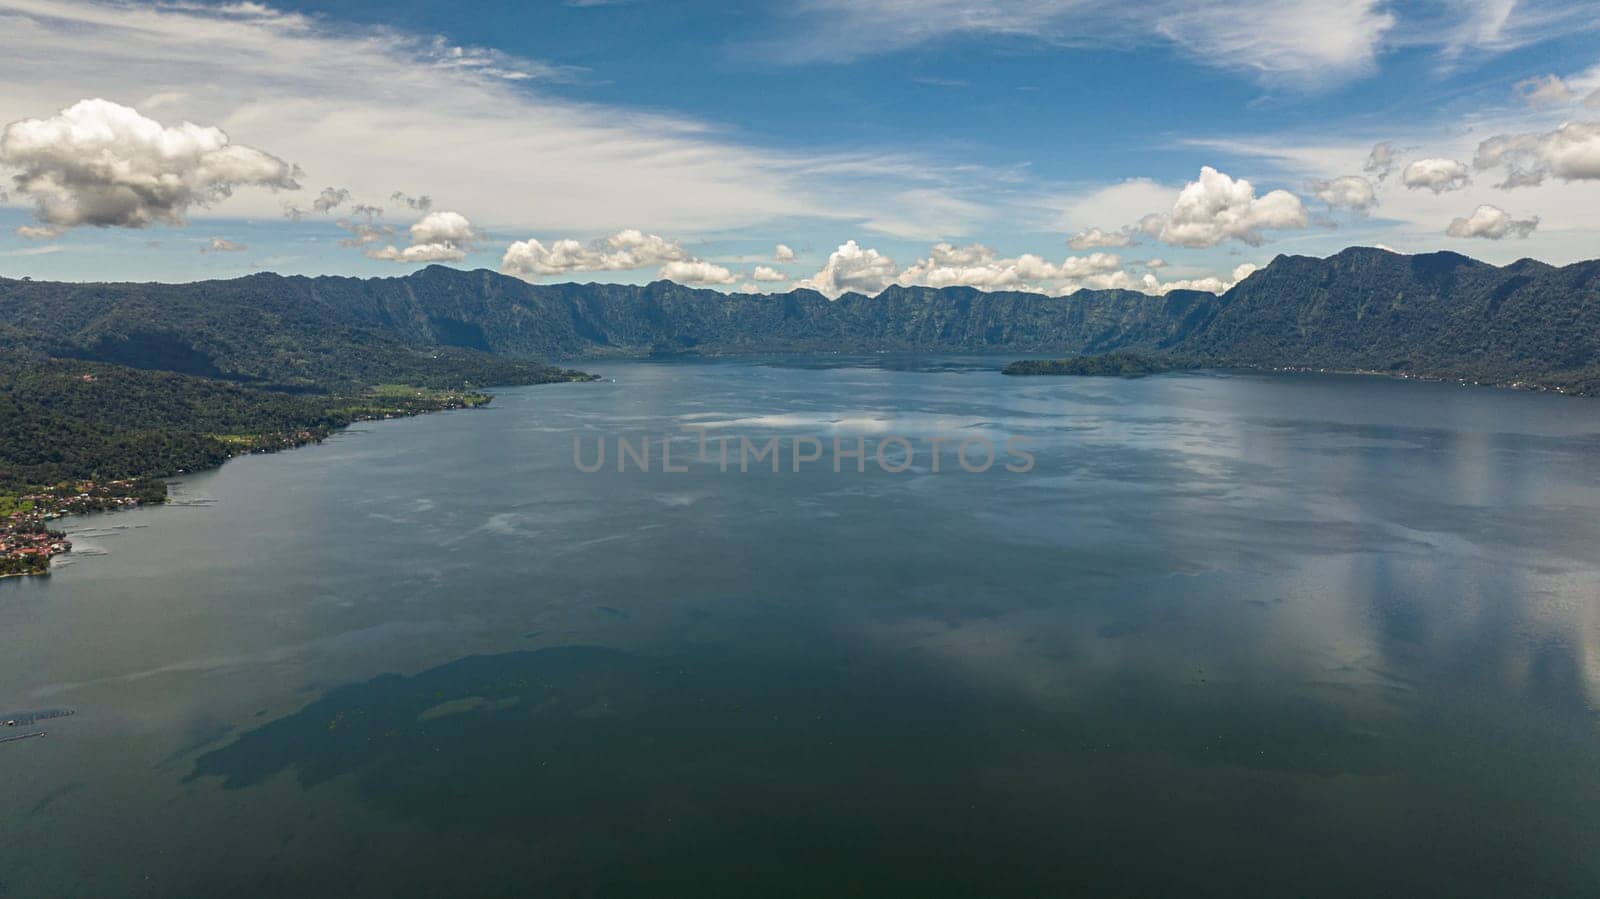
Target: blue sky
[1049, 145]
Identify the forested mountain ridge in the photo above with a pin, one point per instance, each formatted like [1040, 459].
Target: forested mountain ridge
[485, 310]
[263, 329]
[213, 327]
[1438, 314]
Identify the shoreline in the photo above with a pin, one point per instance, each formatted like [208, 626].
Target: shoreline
[1521, 384]
[1526, 386]
[92, 498]
[122, 494]
[1529, 384]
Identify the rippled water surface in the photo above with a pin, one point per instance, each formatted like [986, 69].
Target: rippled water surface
[1231, 635]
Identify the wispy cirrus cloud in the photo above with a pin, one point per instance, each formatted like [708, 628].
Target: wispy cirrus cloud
[368, 108]
[1306, 41]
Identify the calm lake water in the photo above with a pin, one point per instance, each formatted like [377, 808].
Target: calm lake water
[1232, 635]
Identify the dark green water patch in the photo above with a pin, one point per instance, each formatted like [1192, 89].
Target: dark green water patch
[807, 770]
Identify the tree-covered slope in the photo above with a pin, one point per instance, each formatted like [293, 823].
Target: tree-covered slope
[267, 327]
[68, 419]
[1438, 314]
[263, 329]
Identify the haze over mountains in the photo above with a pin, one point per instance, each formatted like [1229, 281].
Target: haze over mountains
[1438, 314]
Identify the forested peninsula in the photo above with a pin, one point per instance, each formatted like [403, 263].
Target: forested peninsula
[83, 436]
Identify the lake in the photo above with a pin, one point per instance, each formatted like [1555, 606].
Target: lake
[1229, 635]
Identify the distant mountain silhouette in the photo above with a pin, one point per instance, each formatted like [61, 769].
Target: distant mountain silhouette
[1438, 314]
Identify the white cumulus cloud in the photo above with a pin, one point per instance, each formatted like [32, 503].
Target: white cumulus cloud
[1569, 153]
[978, 266]
[767, 273]
[1492, 223]
[444, 227]
[1437, 174]
[782, 253]
[696, 271]
[1351, 192]
[1216, 208]
[852, 268]
[1211, 283]
[626, 250]
[102, 163]
[436, 237]
[623, 251]
[1148, 283]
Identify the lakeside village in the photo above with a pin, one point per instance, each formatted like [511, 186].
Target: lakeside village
[27, 542]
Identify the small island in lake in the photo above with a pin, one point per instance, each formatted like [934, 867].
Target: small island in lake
[1115, 365]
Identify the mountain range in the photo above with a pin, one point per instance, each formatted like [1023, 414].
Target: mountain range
[1438, 314]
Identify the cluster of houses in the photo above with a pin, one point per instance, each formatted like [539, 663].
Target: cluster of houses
[22, 544]
[26, 545]
[271, 443]
[81, 498]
